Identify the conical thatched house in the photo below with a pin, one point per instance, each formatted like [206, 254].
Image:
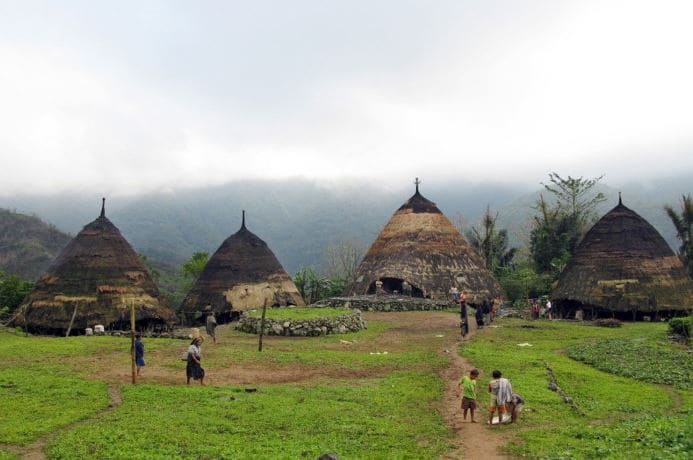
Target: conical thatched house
[95, 279]
[623, 267]
[242, 274]
[420, 245]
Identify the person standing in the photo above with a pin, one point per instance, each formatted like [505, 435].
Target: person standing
[501, 394]
[469, 394]
[453, 295]
[194, 369]
[549, 311]
[479, 317]
[211, 324]
[464, 314]
[139, 352]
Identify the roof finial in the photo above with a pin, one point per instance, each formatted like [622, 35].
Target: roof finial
[103, 207]
[619, 199]
[243, 220]
[417, 182]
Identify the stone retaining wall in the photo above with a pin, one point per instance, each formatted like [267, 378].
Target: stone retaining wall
[350, 322]
[385, 303]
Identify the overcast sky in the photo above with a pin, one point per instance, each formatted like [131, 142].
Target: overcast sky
[128, 96]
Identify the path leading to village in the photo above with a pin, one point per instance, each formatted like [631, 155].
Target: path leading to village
[472, 440]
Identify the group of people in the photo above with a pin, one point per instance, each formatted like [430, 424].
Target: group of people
[537, 310]
[502, 398]
[484, 314]
[193, 357]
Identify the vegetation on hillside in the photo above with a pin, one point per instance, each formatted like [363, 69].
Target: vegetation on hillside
[13, 289]
[27, 244]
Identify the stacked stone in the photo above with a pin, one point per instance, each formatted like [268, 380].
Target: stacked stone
[385, 303]
[351, 322]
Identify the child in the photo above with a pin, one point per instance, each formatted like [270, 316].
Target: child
[139, 352]
[515, 407]
[501, 393]
[469, 396]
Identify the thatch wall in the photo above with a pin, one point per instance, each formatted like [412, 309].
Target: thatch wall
[242, 274]
[100, 275]
[624, 265]
[420, 245]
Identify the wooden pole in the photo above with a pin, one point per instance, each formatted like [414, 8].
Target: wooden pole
[72, 320]
[132, 341]
[262, 324]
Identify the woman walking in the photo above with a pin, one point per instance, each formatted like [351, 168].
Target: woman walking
[194, 369]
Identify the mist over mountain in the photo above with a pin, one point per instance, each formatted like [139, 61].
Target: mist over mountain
[299, 218]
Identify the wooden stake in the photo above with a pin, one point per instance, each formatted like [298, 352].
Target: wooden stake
[262, 324]
[72, 320]
[132, 341]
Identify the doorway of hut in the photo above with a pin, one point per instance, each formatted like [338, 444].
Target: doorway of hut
[397, 286]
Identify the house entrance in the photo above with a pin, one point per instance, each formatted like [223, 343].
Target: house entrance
[397, 286]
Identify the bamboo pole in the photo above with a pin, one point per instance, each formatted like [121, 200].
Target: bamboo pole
[132, 341]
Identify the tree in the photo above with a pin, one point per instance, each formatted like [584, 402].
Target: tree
[343, 258]
[192, 268]
[13, 290]
[558, 228]
[576, 200]
[490, 243]
[313, 287]
[683, 223]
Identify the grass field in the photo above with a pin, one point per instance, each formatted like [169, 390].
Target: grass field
[372, 394]
[298, 313]
[616, 416]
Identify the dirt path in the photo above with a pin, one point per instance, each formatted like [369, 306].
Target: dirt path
[35, 450]
[472, 440]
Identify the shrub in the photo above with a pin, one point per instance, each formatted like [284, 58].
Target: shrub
[681, 326]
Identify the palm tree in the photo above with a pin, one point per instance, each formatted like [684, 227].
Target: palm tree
[683, 223]
[490, 243]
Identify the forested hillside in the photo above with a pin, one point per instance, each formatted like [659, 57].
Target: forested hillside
[27, 244]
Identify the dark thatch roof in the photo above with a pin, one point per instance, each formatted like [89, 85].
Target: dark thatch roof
[100, 274]
[420, 245]
[241, 275]
[624, 265]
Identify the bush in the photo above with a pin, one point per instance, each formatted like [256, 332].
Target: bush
[681, 326]
[608, 322]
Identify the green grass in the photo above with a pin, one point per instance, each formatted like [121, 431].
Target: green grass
[4, 455]
[390, 417]
[299, 313]
[38, 399]
[612, 408]
[635, 359]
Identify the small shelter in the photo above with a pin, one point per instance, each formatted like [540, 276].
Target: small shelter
[623, 268]
[243, 274]
[95, 280]
[419, 252]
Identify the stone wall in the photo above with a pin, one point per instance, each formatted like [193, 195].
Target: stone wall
[386, 303]
[350, 322]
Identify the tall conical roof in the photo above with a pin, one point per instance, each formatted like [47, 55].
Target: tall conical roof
[420, 245]
[242, 274]
[623, 265]
[100, 274]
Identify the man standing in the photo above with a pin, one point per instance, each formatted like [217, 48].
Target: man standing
[211, 323]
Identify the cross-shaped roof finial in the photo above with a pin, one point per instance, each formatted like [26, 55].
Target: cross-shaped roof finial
[417, 182]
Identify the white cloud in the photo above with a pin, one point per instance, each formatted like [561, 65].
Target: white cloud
[147, 97]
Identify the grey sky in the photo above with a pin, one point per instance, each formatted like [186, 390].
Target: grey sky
[128, 96]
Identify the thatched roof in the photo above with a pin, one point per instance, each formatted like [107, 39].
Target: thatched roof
[100, 274]
[241, 275]
[624, 265]
[420, 245]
